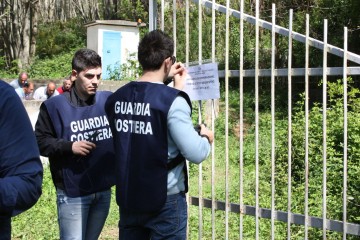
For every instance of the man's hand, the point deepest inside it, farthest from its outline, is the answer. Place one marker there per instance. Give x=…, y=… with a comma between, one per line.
x=206, y=132
x=82, y=148
x=180, y=79
x=175, y=69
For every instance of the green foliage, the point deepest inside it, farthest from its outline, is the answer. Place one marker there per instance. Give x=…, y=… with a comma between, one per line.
x=2, y=61
x=56, y=45
x=335, y=153
x=128, y=71
x=56, y=67
x=206, y=37
x=5, y=70
x=11, y=71
x=130, y=10
x=59, y=37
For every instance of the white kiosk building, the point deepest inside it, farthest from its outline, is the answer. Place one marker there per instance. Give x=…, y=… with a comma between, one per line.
x=114, y=41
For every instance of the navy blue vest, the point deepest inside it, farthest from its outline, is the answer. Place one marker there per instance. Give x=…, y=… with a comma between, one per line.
x=95, y=172
x=138, y=119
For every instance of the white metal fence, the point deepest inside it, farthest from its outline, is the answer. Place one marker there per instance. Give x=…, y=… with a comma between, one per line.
x=260, y=217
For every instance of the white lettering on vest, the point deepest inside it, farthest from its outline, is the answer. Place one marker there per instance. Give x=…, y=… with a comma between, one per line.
x=137, y=127
x=83, y=129
x=137, y=109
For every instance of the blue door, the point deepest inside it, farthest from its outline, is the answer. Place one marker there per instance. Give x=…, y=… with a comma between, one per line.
x=111, y=55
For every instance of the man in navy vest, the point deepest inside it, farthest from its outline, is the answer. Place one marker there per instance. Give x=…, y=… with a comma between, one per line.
x=153, y=135
x=21, y=170
x=73, y=131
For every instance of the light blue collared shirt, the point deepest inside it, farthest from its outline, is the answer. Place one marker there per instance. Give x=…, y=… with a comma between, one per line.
x=184, y=139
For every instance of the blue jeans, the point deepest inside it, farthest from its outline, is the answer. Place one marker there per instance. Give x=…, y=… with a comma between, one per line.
x=82, y=217
x=169, y=223
x=5, y=228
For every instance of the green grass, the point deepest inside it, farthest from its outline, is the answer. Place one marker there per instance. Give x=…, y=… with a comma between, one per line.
x=40, y=222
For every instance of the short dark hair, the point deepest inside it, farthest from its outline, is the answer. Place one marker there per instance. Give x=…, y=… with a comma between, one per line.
x=153, y=49
x=85, y=58
x=27, y=84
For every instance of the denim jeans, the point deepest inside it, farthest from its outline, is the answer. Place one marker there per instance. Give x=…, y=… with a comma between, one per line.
x=169, y=223
x=5, y=228
x=82, y=217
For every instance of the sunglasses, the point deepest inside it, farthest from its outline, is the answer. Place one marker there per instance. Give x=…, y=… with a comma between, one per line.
x=173, y=60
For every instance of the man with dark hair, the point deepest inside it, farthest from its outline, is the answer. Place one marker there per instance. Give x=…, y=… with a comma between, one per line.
x=153, y=135
x=73, y=131
x=19, y=83
x=25, y=93
x=21, y=170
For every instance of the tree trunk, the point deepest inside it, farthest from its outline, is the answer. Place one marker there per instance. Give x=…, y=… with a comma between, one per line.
x=63, y=10
x=47, y=12
x=18, y=31
x=88, y=10
x=107, y=9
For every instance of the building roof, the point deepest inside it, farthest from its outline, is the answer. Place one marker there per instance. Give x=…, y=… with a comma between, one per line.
x=115, y=23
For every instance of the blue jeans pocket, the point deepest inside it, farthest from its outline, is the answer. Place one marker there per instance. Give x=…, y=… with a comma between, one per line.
x=172, y=220
x=168, y=221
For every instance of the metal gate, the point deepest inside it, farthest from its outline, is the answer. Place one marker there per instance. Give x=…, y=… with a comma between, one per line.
x=235, y=199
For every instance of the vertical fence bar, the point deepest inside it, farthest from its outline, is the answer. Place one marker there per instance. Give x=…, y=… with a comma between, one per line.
x=213, y=58
x=273, y=123
x=257, y=120
x=187, y=61
x=200, y=182
x=200, y=120
x=162, y=14
x=324, y=127
x=213, y=233
x=306, y=127
x=152, y=14
x=241, y=79
x=227, y=35
x=187, y=34
x=213, y=29
x=174, y=25
x=289, y=124
x=200, y=31
x=345, y=134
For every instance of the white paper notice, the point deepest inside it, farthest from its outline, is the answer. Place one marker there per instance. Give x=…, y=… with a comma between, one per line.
x=202, y=82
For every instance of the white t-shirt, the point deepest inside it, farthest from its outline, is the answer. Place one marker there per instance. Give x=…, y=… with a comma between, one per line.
x=40, y=93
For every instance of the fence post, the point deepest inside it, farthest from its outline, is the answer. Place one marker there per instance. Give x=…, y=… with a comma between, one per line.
x=152, y=14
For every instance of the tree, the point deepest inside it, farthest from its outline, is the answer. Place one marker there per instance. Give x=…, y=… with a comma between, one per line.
x=19, y=25
x=130, y=10
x=64, y=10
x=55, y=10
x=18, y=30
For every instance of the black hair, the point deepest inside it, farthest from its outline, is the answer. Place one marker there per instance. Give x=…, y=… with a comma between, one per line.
x=153, y=49
x=84, y=59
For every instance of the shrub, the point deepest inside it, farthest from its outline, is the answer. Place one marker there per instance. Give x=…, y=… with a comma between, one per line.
x=59, y=37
